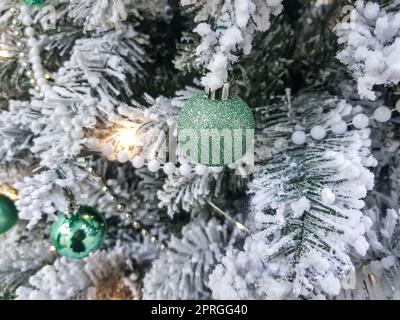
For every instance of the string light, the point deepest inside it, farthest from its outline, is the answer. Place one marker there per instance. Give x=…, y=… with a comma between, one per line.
x=121, y=208
x=5, y=52
x=120, y=142
x=127, y=137
x=9, y=191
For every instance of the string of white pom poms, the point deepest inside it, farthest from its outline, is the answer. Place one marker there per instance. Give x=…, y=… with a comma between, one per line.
x=38, y=77
x=360, y=121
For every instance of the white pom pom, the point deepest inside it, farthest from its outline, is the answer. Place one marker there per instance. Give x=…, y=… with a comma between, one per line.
x=46, y=88
x=201, y=169
x=382, y=114
x=34, y=47
x=328, y=197
x=280, y=143
x=360, y=121
x=318, y=132
x=41, y=82
x=153, y=165
x=339, y=158
x=123, y=156
x=398, y=106
x=299, y=137
x=169, y=168
x=35, y=60
x=138, y=162
x=24, y=9
x=185, y=169
x=27, y=20
x=30, y=32
x=339, y=127
x=37, y=67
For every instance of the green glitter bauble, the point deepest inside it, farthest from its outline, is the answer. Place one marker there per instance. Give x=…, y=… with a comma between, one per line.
x=215, y=132
x=80, y=235
x=8, y=214
x=33, y=2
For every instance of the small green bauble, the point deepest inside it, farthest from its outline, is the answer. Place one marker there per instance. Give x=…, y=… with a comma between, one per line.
x=8, y=214
x=80, y=235
x=215, y=132
x=34, y=2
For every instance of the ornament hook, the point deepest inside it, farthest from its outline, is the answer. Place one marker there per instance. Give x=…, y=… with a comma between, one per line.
x=222, y=93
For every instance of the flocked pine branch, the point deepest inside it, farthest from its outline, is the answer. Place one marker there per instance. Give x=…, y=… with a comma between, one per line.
x=18, y=264
x=182, y=272
x=67, y=279
x=227, y=28
x=371, y=43
x=106, y=14
x=375, y=276
x=307, y=210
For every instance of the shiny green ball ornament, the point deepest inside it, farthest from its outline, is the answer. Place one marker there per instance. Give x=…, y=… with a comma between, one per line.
x=80, y=235
x=33, y=2
x=215, y=132
x=8, y=214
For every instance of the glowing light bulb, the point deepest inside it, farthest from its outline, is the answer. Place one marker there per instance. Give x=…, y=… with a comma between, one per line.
x=9, y=192
x=127, y=137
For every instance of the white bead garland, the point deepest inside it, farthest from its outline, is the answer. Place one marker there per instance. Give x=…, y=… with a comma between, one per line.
x=360, y=121
x=34, y=53
x=318, y=132
x=299, y=137
x=169, y=168
x=154, y=165
x=27, y=20
x=123, y=157
x=185, y=169
x=138, y=162
x=382, y=114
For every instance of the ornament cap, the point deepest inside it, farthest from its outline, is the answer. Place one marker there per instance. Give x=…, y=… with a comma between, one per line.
x=222, y=93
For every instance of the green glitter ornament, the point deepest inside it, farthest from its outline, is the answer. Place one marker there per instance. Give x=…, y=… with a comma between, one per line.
x=33, y=2
x=8, y=214
x=215, y=132
x=80, y=235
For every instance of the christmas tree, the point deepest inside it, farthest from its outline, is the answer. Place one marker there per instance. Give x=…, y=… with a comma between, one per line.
x=199, y=149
